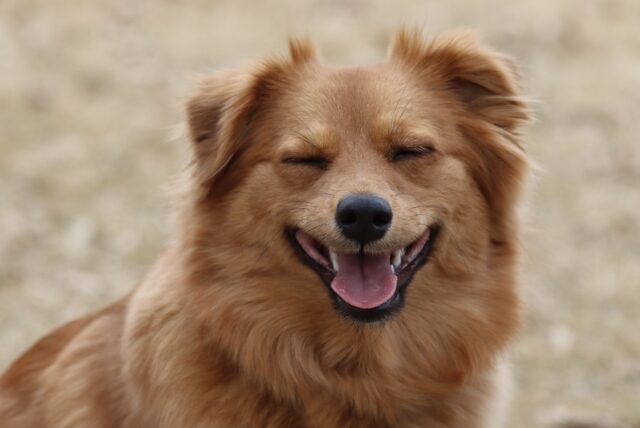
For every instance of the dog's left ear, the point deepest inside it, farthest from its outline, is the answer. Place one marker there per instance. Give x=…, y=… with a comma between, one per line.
x=484, y=85
x=486, y=82
x=221, y=113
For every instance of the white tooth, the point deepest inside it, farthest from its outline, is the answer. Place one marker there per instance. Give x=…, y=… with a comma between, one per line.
x=397, y=258
x=334, y=259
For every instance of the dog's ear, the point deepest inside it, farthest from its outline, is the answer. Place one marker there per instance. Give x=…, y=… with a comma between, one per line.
x=486, y=82
x=485, y=86
x=221, y=113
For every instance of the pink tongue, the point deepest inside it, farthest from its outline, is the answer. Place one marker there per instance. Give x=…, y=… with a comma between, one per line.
x=364, y=280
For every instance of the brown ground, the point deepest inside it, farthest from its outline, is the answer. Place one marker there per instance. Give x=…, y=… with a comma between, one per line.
x=90, y=106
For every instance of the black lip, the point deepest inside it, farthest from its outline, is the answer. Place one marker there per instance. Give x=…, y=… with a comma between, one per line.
x=380, y=313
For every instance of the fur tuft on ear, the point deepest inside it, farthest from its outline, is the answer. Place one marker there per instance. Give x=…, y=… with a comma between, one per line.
x=406, y=44
x=302, y=50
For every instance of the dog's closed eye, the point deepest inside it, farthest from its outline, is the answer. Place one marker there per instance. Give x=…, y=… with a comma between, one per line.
x=401, y=153
x=312, y=161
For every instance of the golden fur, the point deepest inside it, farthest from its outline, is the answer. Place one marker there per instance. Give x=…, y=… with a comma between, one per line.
x=230, y=329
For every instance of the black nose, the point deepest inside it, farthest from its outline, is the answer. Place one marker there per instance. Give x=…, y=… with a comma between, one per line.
x=363, y=218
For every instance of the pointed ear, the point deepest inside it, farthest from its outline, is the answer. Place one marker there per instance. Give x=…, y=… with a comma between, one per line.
x=222, y=111
x=485, y=85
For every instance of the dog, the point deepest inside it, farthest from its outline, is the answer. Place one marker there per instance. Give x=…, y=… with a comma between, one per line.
x=345, y=256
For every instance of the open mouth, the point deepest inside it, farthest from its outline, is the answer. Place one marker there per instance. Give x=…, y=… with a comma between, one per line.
x=365, y=287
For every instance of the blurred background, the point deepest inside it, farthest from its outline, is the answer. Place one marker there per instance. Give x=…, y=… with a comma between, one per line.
x=91, y=98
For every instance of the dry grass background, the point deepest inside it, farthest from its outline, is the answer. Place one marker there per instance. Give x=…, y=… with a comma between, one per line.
x=91, y=91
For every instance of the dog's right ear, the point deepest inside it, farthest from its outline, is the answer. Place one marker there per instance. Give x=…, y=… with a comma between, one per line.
x=221, y=113
x=219, y=116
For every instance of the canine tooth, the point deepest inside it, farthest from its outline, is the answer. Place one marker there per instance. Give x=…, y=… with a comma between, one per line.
x=334, y=260
x=397, y=258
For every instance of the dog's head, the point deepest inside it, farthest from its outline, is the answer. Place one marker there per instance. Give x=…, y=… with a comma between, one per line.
x=374, y=190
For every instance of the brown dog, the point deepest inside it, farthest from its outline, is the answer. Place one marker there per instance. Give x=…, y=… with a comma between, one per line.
x=346, y=257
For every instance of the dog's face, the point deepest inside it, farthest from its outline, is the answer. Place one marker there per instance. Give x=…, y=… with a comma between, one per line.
x=374, y=185
x=361, y=170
